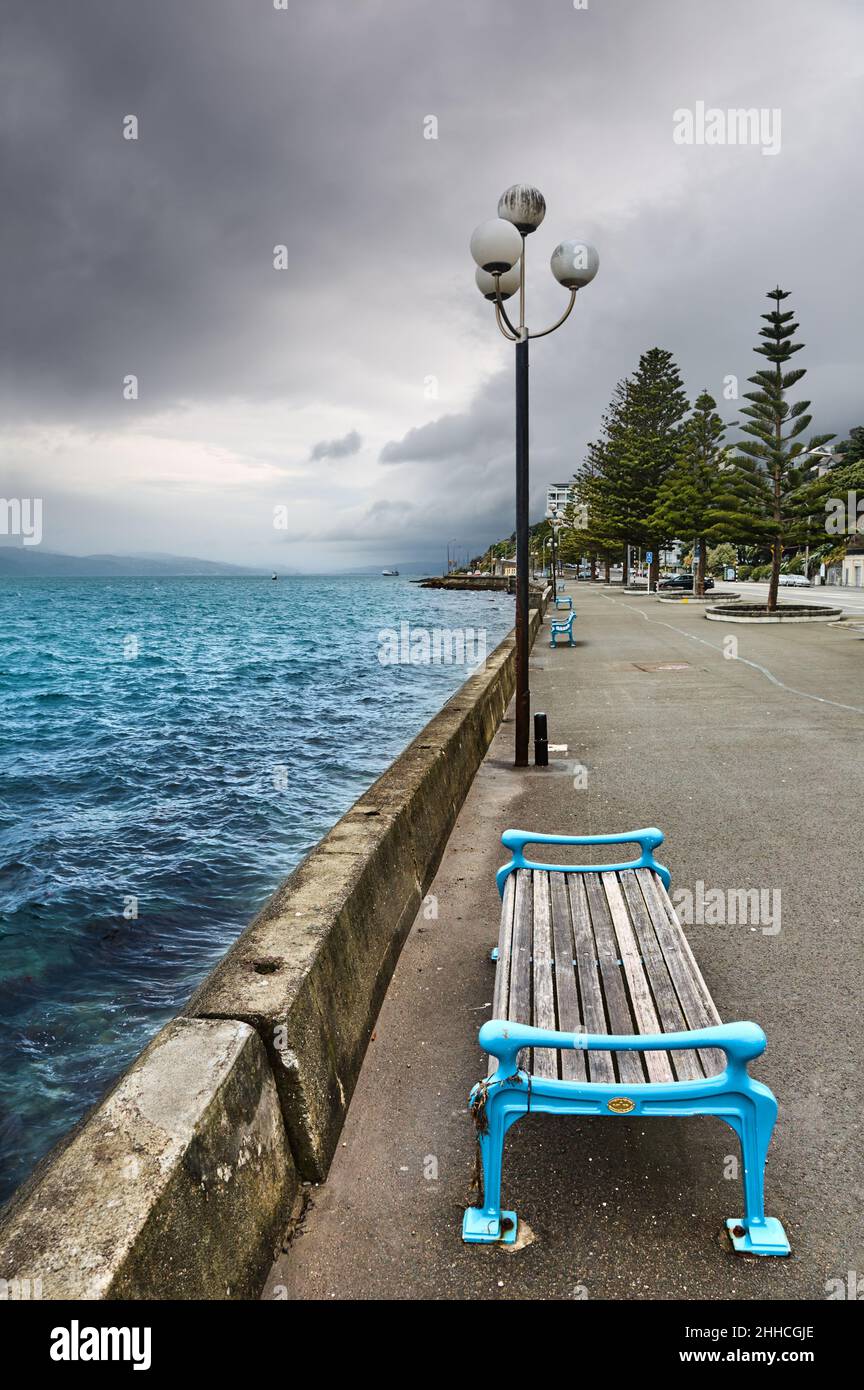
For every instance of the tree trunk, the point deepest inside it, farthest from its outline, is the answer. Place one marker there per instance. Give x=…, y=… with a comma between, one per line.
x=625, y=567
x=608, y=570
x=593, y=566
x=777, y=553
x=774, y=586
x=699, y=582
x=654, y=571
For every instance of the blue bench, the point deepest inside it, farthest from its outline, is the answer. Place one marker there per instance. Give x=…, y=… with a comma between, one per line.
x=564, y=601
x=562, y=627
x=599, y=1008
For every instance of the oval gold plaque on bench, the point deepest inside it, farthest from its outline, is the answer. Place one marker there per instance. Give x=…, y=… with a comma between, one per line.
x=621, y=1105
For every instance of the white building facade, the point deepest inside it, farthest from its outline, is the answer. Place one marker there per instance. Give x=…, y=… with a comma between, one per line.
x=557, y=497
x=853, y=564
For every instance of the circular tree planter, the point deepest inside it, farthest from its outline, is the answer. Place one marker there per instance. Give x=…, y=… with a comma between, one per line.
x=691, y=598
x=758, y=613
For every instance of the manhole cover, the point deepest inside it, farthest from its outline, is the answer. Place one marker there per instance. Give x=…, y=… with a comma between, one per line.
x=662, y=665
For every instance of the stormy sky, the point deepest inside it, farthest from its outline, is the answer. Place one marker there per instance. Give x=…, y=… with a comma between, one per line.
x=360, y=391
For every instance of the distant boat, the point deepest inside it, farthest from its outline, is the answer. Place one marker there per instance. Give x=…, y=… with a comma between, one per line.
x=390, y=574
x=274, y=575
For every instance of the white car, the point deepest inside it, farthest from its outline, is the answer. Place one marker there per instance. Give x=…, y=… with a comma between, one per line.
x=795, y=581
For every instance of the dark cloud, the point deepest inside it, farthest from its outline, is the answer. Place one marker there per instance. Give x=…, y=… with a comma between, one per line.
x=447, y=438
x=304, y=128
x=350, y=443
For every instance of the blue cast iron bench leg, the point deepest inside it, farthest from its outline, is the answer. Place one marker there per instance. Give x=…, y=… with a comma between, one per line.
x=562, y=627
x=581, y=943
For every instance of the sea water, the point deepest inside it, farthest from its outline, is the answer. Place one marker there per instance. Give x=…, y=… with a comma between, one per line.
x=170, y=749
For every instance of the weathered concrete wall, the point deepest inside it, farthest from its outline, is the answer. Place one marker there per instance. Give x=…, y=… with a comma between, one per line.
x=310, y=972
x=179, y=1185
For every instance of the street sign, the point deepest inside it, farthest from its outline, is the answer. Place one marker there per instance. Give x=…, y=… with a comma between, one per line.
x=649, y=555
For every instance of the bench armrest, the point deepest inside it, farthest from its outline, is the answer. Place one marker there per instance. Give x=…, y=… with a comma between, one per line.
x=740, y=1041
x=648, y=840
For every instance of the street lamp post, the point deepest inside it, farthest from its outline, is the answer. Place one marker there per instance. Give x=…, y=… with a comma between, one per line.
x=498, y=247
x=556, y=521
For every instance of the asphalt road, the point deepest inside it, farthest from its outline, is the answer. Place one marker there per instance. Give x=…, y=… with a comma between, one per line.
x=751, y=760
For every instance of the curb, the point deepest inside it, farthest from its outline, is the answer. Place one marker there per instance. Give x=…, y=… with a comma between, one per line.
x=814, y=615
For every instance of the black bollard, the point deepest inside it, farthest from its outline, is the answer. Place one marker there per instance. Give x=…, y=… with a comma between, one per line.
x=541, y=741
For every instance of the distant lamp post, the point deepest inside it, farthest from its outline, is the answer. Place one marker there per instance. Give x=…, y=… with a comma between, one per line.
x=498, y=247
x=556, y=521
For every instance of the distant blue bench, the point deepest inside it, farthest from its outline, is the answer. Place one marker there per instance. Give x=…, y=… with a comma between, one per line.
x=564, y=601
x=562, y=627
x=580, y=945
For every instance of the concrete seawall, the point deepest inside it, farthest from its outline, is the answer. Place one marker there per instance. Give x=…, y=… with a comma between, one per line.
x=176, y=1186
x=310, y=972
x=181, y=1182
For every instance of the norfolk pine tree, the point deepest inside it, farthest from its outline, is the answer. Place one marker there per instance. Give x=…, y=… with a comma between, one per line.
x=640, y=443
x=690, y=498
x=598, y=538
x=768, y=474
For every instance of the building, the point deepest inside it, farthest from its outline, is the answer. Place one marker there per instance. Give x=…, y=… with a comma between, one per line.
x=819, y=461
x=557, y=497
x=853, y=563
x=506, y=567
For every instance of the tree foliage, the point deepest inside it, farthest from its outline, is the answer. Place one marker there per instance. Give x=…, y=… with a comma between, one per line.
x=769, y=472
x=693, y=496
x=638, y=443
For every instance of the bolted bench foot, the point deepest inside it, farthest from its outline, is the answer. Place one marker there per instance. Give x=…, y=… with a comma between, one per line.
x=769, y=1238
x=479, y=1228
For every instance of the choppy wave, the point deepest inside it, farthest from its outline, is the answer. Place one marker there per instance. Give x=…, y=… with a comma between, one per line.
x=170, y=751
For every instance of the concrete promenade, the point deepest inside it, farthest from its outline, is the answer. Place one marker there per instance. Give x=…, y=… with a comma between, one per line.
x=754, y=768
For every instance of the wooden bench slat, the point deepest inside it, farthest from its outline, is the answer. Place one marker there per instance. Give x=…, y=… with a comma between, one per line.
x=600, y=952
x=519, y=1001
x=500, y=997
x=629, y=1064
x=599, y=1063
x=566, y=988
x=686, y=1062
x=501, y=992
x=545, y=1061
x=699, y=1008
x=519, y=1004
x=657, y=1064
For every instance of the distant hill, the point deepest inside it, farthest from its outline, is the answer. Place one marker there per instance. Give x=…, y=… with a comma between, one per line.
x=31, y=561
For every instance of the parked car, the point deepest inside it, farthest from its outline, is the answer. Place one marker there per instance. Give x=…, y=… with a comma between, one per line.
x=795, y=581
x=683, y=582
